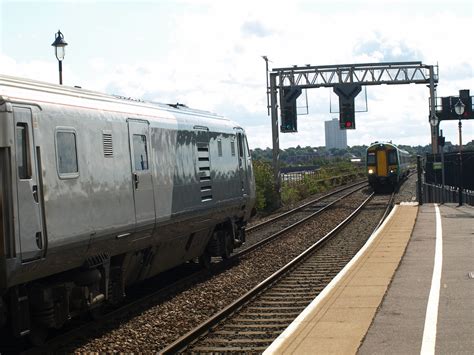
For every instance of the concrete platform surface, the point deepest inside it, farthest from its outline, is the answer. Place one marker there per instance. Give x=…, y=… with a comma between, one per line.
x=427, y=306
x=399, y=325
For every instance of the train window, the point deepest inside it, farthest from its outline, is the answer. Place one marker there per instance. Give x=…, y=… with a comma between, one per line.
x=241, y=145
x=232, y=148
x=219, y=147
x=140, y=152
x=371, y=159
x=392, y=157
x=22, y=161
x=247, y=150
x=67, y=153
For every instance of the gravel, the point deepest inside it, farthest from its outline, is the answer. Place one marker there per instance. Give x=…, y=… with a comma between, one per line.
x=258, y=323
x=157, y=325
x=161, y=324
x=407, y=192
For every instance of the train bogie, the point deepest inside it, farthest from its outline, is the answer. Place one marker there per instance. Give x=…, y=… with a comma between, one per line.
x=98, y=192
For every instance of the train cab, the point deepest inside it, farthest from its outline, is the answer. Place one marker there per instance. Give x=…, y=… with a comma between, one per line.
x=386, y=164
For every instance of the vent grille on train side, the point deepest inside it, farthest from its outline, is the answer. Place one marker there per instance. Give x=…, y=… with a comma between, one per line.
x=108, y=145
x=204, y=166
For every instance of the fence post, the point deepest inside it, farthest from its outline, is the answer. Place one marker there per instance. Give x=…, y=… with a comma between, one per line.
x=460, y=169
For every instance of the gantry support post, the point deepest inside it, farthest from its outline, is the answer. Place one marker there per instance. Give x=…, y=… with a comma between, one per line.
x=434, y=122
x=275, y=139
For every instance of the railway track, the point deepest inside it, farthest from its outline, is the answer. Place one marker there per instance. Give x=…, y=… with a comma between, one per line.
x=305, y=205
x=266, y=231
x=164, y=293
x=252, y=322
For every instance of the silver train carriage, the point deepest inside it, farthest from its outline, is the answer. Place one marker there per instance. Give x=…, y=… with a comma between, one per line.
x=98, y=192
x=386, y=164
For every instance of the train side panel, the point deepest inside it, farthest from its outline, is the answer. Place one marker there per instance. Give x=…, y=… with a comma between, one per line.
x=98, y=194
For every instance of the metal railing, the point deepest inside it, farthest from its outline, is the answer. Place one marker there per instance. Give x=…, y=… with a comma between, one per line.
x=436, y=194
x=321, y=176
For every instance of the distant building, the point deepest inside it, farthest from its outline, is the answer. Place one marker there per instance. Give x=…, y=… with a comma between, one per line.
x=335, y=137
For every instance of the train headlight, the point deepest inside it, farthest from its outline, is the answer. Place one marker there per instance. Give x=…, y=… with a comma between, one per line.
x=371, y=171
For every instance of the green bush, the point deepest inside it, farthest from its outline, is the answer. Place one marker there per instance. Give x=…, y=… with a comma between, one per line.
x=289, y=194
x=319, y=182
x=265, y=194
x=296, y=191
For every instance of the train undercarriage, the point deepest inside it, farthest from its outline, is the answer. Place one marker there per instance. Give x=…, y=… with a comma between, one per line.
x=49, y=303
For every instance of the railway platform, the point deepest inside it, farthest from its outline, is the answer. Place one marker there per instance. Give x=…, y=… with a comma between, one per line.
x=410, y=290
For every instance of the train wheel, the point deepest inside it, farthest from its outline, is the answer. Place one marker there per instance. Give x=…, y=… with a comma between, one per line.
x=205, y=260
x=38, y=334
x=97, y=312
x=228, y=247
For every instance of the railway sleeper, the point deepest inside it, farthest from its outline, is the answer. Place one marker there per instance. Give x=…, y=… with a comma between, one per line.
x=255, y=326
x=255, y=318
x=277, y=309
x=281, y=302
x=234, y=342
x=286, y=297
x=244, y=333
x=274, y=297
x=225, y=349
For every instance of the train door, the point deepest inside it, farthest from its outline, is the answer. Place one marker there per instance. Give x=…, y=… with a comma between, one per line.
x=382, y=168
x=141, y=173
x=242, y=147
x=30, y=222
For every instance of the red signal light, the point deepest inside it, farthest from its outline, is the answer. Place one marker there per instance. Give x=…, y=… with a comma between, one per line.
x=348, y=124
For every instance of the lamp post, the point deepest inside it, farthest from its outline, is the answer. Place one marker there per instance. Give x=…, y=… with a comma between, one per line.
x=459, y=109
x=59, y=45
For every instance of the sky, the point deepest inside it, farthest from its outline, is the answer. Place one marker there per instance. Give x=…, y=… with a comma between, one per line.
x=207, y=54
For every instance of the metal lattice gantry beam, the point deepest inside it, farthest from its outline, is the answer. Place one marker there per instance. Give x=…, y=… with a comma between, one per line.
x=363, y=74
x=308, y=77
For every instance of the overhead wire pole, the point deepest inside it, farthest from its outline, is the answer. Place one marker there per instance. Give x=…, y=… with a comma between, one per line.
x=265, y=58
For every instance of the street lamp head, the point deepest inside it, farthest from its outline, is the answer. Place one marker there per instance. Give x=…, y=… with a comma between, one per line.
x=59, y=45
x=459, y=108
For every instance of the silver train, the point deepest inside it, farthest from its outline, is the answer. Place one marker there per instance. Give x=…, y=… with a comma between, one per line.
x=98, y=192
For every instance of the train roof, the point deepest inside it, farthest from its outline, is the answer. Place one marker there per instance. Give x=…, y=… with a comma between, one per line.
x=375, y=144
x=14, y=89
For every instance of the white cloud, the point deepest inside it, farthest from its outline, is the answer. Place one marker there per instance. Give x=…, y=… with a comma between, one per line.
x=212, y=60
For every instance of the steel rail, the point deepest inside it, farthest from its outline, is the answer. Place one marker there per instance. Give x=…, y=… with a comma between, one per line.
x=391, y=202
x=199, y=275
x=294, y=210
x=182, y=343
x=387, y=210
x=286, y=229
x=202, y=274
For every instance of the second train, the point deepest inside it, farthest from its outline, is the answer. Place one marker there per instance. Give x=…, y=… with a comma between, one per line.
x=387, y=165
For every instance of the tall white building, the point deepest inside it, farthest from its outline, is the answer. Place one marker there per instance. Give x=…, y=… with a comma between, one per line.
x=335, y=137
